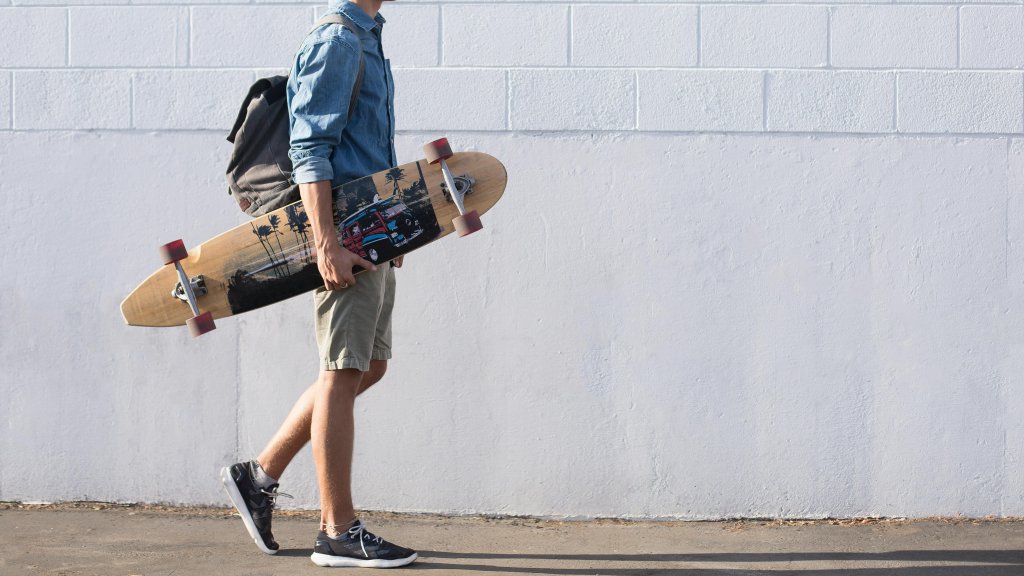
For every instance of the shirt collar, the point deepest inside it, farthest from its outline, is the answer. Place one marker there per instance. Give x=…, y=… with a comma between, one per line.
x=356, y=14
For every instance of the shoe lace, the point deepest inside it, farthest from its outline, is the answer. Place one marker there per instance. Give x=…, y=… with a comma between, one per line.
x=272, y=496
x=359, y=531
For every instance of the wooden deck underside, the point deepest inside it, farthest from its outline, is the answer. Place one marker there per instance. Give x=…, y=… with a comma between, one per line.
x=278, y=245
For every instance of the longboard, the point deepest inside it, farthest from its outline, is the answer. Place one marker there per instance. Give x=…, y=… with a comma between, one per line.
x=271, y=258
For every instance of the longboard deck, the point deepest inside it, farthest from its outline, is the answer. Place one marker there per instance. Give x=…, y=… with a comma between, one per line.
x=271, y=258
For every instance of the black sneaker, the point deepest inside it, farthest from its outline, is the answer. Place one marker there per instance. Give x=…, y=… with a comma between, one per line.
x=359, y=548
x=255, y=505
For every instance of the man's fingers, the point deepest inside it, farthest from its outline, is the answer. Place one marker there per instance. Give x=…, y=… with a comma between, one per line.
x=365, y=264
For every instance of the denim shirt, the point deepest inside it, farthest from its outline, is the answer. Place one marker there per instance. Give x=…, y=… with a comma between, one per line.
x=325, y=143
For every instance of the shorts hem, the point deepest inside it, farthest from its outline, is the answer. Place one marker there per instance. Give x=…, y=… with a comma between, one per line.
x=345, y=364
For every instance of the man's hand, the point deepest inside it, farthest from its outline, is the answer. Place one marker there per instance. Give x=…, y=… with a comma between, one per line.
x=336, y=263
x=399, y=261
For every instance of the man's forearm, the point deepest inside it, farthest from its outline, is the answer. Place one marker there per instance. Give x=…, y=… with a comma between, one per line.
x=318, y=201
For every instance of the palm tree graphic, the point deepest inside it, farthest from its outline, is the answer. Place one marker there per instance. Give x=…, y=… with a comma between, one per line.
x=263, y=233
x=297, y=223
x=395, y=175
x=275, y=222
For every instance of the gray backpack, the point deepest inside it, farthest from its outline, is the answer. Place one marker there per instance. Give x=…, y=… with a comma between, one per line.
x=260, y=171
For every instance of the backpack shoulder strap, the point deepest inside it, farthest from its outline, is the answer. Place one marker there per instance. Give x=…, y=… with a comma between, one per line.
x=351, y=26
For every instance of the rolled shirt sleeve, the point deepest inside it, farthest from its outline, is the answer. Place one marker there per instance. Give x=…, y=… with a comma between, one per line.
x=320, y=89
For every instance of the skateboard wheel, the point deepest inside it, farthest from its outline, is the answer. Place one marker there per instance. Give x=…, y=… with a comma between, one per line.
x=468, y=223
x=200, y=324
x=173, y=252
x=437, y=150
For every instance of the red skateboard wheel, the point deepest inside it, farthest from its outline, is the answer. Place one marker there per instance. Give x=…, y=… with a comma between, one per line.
x=468, y=223
x=201, y=324
x=173, y=252
x=437, y=150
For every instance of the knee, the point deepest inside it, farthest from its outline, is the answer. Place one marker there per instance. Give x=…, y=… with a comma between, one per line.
x=373, y=375
x=342, y=384
x=377, y=370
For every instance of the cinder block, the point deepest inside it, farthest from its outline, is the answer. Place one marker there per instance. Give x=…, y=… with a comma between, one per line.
x=5, y=100
x=827, y=101
x=412, y=35
x=960, y=102
x=894, y=36
x=693, y=100
x=445, y=99
x=572, y=99
x=189, y=99
x=629, y=35
x=248, y=36
x=33, y=37
x=770, y=36
x=128, y=36
x=72, y=100
x=991, y=37
x=499, y=35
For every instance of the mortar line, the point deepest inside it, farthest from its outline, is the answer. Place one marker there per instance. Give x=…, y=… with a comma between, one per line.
x=131, y=100
x=440, y=35
x=958, y=39
x=700, y=53
x=764, y=100
x=636, y=100
x=896, y=102
x=572, y=15
x=828, y=39
x=188, y=39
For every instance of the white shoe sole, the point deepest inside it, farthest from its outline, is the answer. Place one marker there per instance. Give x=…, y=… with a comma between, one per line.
x=329, y=561
x=243, y=511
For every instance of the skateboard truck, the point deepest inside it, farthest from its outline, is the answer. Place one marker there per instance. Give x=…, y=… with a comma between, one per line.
x=466, y=223
x=174, y=253
x=198, y=285
x=463, y=185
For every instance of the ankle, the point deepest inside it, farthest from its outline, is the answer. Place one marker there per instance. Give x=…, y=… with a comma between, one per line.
x=334, y=530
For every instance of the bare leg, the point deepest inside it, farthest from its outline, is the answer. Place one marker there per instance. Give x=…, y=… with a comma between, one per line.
x=294, y=432
x=333, y=436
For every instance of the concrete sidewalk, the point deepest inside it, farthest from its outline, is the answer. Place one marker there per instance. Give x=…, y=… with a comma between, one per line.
x=111, y=540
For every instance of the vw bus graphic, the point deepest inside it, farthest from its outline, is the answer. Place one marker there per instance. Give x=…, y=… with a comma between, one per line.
x=376, y=231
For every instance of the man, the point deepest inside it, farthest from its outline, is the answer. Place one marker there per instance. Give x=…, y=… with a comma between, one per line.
x=353, y=317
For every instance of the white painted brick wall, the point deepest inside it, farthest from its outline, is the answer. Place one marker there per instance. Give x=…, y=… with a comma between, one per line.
x=623, y=36
x=981, y=102
x=33, y=37
x=991, y=37
x=72, y=100
x=764, y=36
x=797, y=245
x=695, y=100
x=128, y=36
x=432, y=106
x=189, y=99
x=411, y=35
x=826, y=101
x=247, y=36
x=894, y=36
x=572, y=99
x=505, y=35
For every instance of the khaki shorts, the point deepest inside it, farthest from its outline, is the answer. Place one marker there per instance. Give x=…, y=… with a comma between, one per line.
x=353, y=325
